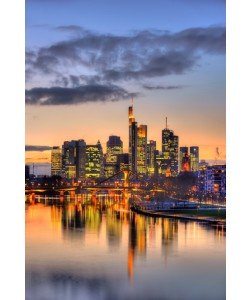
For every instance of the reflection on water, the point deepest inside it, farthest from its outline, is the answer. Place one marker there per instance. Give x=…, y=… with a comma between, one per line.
x=93, y=247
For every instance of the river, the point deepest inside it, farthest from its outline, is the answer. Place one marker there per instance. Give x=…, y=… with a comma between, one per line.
x=89, y=247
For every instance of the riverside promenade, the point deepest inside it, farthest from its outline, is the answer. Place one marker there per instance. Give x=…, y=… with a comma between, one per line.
x=183, y=211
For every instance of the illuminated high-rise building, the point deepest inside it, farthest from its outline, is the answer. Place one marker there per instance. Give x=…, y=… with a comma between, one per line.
x=213, y=179
x=114, y=148
x=142, y=150
x=170, y=149
x=73, y=159
x=131, y=115
x=194, y=158
x=184, y=159
x=80, y=159
x=183, y=151
x=56, y=161
x=94, y=166
x=151, y=157
x=163, y=165
x=132, y=141
x=68, y=159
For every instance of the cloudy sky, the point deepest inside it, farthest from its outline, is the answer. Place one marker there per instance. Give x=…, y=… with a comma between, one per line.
x=85, y=60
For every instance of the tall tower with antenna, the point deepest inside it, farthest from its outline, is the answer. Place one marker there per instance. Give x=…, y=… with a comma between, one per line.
x=170, y=151
x=132, y=139
x=131, y=113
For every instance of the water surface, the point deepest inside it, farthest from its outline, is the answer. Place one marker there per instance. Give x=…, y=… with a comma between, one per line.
x=101, y=250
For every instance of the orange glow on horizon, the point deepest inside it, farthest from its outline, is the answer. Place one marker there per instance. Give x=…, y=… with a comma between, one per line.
x=94, y=121
x=206, y=153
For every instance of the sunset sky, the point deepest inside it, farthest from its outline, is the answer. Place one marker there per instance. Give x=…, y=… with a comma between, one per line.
x=86, y=59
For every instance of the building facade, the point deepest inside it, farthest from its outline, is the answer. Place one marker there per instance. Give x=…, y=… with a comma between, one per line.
x=194, y=158
x=170, y=152
x=68, y=159
x=80, y=159
x=142, y=150
x=213, y=180
x=73, y=159
x=132, y=141
x=151, y=157
x=114, y=149
x=56, y=161
x=94, y=166
x=184, y=160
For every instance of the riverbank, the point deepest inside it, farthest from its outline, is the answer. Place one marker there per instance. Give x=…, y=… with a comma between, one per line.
x=189, y=215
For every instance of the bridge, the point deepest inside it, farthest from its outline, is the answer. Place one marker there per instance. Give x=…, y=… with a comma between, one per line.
x=99, y=186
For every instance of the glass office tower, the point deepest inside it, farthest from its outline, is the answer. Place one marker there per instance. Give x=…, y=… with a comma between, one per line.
x=142, y=150
x=56, y=161
x=170, y=152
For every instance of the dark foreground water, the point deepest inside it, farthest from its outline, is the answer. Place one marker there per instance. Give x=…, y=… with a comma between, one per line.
x=103, y=251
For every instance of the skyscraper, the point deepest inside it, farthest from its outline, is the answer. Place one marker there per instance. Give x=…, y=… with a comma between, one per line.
x=194, y=158
x=56, y=161
x=184, y=159
x=132, y=141
x=73, y=159
x=68, y=159
x=142, y=149
x=80, y=158
x=170, y=149
x=151, y=157
x=131, y=115
x=114, y=148
x=94, y=166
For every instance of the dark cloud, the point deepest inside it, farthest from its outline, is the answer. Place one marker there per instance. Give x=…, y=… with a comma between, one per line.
x=77, y=80
x=45, y=63
x=36, y=148
x=211, y=39
x=173, y=62
x=74, y=81
x=161, y=87
x=76, y=95
x=141, y=55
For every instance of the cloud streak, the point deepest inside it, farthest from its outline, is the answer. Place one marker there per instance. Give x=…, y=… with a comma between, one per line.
x=37, y=148
x=76, y=95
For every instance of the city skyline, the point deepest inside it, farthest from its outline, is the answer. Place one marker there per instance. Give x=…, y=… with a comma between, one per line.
x=42, y=153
